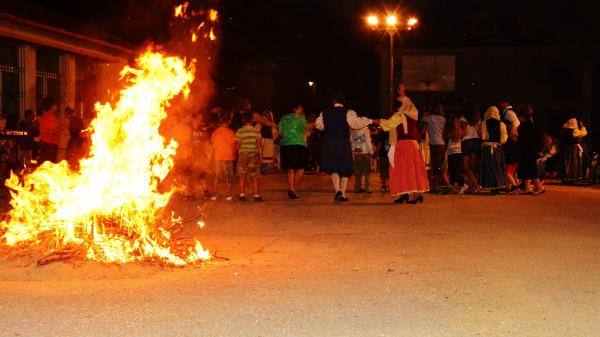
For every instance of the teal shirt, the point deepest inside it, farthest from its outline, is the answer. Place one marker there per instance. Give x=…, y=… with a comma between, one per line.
x=292, y=127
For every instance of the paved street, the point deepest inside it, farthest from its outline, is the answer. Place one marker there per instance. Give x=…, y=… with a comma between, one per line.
x=454, y=266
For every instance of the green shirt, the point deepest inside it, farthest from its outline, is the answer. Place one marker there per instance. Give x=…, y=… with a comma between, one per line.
x=292, y=127
x=247, y=136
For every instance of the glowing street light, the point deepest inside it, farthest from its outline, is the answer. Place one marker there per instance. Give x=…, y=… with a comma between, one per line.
x=411, y=22
x=311, y=83
x=372, y=21
x=393, y=24
x=391, y=21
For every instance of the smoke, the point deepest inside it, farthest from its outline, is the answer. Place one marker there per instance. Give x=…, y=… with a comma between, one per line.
x=186, y=115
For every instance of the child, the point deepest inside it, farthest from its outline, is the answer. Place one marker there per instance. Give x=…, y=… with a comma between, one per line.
x=382, y=146
x=223, y=140
x=362, y=150
x=199, y=159
x=249, y=148
x=455, y=157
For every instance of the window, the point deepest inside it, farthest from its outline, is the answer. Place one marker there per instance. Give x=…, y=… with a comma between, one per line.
x=85, y=87
x=49, y=78
x=10, y=84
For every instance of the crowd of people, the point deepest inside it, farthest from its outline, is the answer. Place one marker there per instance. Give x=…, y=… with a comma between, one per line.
x=44, y=132
x=503, y=151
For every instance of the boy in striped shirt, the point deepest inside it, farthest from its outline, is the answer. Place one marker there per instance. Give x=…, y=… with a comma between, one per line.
x=249, y=148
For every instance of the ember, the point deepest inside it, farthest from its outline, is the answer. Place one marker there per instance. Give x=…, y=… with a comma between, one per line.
x=111, y=208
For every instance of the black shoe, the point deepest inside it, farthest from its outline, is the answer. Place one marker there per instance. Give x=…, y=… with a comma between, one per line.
x=292, y=195
x=403, y=198
x=418, y=199
x=258, y=198
x=362, y=190
x=494, y=191
x=242, y=198
x=343, y=199
x=368, y=192
x=338, y=196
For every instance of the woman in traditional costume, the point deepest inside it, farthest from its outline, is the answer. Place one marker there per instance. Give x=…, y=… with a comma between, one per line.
x=492, y=167
x=408, y=176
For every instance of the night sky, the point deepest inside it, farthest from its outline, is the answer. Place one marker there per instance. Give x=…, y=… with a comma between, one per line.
x=270, y=49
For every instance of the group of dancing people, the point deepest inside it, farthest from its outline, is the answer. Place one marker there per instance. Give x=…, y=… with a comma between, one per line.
x=499, y=153
x=466, y=153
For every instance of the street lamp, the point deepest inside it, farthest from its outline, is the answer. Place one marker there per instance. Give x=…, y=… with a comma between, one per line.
x=393, y=25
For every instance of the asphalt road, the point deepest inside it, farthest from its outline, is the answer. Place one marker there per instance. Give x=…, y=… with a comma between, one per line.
x=453, y=266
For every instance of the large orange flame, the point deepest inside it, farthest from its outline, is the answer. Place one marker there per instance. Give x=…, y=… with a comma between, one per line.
x=110, y=207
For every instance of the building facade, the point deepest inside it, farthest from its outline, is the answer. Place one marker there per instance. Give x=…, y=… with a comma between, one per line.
x=38, y=60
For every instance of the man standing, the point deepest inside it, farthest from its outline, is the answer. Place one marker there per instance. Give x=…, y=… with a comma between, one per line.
x=294, y=150
x=336, y=122
x=50, y=131
x=511, y=147
x=27, y=144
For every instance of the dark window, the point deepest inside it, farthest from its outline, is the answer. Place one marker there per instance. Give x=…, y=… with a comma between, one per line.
x=47, y=62
x=10, y=74
x=563, y=82
x=49, y=80
x=9, y=56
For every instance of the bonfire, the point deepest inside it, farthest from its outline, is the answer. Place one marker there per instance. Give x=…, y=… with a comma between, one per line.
x=111, y=209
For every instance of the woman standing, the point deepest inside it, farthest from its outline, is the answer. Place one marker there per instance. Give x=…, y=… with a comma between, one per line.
x=408, y=176
x=493, y=134
x=530, y=144
x=294, y=151
x=572, y=131
x=471, y=144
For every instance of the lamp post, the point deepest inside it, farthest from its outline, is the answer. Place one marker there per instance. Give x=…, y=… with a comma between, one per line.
x=392, y=26
x=313, y=91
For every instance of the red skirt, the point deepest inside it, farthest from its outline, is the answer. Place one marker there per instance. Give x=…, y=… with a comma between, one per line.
x=408, y=173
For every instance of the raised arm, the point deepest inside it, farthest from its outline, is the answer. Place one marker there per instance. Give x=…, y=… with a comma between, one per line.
x=319, y=122
x=263, y=120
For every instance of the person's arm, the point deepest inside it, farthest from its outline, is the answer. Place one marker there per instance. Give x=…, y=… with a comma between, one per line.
x=238, y=142
x=319, y=122
x=356, y=122
x=463, y=128
x=260, y=149
x=390, y=123
x=552, y=151
x=503, y=133
x=280, y=127
x=263, y=120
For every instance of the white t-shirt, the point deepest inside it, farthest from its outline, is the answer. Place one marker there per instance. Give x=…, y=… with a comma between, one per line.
x=435, y=127
x=471, y=130
x=510, y=117
x=360, y=141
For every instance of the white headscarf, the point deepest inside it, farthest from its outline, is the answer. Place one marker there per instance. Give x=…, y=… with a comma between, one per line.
x=407, y=110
